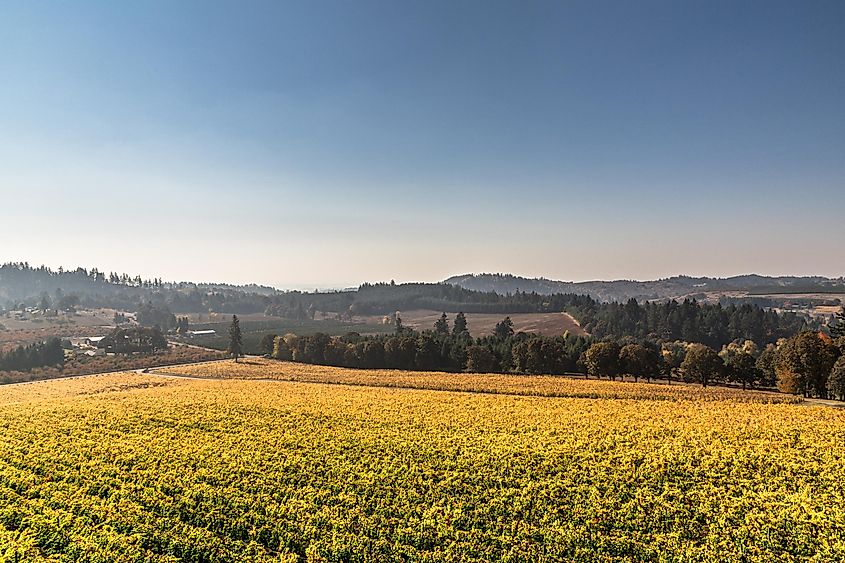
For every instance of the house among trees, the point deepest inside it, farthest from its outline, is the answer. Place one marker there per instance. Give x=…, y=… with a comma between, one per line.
x=94, y=341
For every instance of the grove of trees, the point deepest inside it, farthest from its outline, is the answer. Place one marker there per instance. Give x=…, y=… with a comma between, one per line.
x=133, y=340
x=25, y=358
x=807, y=363
x=442, y=349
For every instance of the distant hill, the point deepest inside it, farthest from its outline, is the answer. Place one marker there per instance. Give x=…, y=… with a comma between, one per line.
x=22, y=284
x=674, y=287
x=594, y=305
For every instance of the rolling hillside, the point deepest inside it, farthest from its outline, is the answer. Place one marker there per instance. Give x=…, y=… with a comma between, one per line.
x=674, y=287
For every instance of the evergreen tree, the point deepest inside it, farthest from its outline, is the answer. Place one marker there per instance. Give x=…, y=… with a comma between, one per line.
x=504, y=329
x=460, y=326
x=837, y=329
x=441, y=326
x=235, y=339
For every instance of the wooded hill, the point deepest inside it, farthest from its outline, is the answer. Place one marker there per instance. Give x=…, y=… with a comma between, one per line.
x=689, y=320
x=669, y=288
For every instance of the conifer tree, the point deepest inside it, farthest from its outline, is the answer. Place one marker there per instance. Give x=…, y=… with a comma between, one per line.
x=235, y=340
x=460, y=326
x=441, y=326
x=837, y=329
x=504, y=329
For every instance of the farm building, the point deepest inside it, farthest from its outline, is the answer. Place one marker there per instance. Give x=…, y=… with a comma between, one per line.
x=197, y=333
x=94, y=341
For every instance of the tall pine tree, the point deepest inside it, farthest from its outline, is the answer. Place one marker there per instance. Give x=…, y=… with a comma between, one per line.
x=460, y=326
x=441, y=326
x=235, y=340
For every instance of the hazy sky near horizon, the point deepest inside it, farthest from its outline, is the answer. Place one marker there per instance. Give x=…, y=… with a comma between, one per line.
x=323, y=144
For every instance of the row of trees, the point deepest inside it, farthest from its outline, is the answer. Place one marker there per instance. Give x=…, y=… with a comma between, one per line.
x=25, y=358
x=689, y=320
x=444, y=348
x=809, y=363
x=691, y=362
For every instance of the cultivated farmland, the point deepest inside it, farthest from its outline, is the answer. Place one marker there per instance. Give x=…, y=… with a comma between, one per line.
x=131, y=467
x=529, y=385
x=482, y=324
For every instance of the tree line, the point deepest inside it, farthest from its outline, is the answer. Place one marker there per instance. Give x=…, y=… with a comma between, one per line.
x=27, y=357
x=689, y=320
x=443, y=348
x=23, y=285
x=714, y=325
x=811, y=363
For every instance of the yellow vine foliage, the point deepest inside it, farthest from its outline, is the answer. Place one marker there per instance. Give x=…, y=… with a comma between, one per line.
x=131, y=467
x=539, y=385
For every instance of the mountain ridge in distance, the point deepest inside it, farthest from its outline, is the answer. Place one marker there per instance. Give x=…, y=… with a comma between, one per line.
x=673, y=287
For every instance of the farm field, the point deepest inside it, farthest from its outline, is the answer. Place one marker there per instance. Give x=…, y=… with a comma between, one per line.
x=83, y=365
x=96, y=318
x=482, y=324
x=530, y=385
x=255, y=327
x=131, y=467
x=13, y=338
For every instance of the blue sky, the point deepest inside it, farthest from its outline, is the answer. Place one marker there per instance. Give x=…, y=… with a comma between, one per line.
x=329, y=143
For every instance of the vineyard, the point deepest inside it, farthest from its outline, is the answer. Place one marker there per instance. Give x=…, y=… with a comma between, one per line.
x=131, y=467
x=81, y=365
x=530, y=385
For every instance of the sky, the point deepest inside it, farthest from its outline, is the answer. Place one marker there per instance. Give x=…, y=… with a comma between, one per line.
x=324, y=144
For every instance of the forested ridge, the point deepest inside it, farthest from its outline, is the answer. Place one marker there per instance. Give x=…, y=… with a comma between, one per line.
x=25, y=285
x=666, y=288
x=688, y=320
